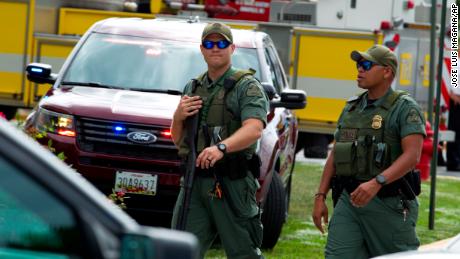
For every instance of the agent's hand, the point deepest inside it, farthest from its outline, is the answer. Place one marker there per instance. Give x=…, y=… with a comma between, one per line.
x=364, y=193
x=320, y=213
x=208, y=157
x=188, y=106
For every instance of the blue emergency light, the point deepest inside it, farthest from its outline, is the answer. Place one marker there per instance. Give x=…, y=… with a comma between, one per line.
x=119, y=129
x=40, y=73
x=36, y=70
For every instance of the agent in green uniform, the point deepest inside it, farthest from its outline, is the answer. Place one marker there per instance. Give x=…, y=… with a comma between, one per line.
x=378, y=142
x=232, y=109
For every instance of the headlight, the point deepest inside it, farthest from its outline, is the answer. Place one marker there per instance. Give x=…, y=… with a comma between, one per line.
x=54, y=122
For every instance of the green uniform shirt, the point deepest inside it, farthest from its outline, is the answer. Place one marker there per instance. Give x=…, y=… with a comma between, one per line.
x=405, y=119
x=383, y=225
x=246, y=100
x=235, y=217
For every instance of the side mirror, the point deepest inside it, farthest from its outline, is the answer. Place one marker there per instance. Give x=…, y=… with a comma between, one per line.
x=40, y=73
x=291, y=99
x=269, y=89
x=160, y=244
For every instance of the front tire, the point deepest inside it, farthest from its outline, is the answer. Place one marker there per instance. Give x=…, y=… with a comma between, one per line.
x=274, y=213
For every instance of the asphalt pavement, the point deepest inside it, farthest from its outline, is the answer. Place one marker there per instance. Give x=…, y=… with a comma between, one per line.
x=442, y=171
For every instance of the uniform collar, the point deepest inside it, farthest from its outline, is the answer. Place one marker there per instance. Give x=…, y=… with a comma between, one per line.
x=377, y=102
x=221, y=79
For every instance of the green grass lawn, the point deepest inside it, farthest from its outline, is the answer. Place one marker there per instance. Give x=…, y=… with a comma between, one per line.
x=300, y=238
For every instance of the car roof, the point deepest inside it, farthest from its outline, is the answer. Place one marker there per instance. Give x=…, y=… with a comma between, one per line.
x=172, y=29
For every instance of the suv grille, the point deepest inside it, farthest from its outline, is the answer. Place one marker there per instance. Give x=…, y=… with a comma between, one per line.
x=99, y=136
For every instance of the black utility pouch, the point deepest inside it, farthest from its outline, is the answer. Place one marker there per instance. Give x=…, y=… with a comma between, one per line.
x=414, y=181
x=237, y=165
x=221, y=168
x=254, y=165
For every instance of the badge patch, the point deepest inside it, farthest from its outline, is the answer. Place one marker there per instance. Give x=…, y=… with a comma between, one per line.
x=377, y=122
x=221, y=94
x=413, y=117
x=254, y=90
x=348, y=134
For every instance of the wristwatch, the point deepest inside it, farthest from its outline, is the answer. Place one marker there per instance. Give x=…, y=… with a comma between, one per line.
x=381, y=179
x=222, y=148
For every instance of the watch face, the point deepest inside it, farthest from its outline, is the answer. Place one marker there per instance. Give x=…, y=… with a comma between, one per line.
x=221, y=147
x=380, y=179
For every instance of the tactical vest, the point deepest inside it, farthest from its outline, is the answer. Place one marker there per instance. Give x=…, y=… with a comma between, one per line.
x=362, y=148
x=216, y=121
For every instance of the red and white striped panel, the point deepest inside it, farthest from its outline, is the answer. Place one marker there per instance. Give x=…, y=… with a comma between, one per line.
x=446, y=73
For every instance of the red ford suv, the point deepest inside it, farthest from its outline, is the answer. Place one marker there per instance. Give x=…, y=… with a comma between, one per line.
x=112, y=103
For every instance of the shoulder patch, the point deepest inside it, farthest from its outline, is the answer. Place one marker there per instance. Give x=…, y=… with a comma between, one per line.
x=254, y=90
x=413, y=116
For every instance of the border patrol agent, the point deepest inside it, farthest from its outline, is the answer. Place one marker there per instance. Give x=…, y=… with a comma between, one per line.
x=232, y=109
x=378, y=143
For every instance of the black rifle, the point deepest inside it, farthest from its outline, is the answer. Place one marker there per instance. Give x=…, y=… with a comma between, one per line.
x=191, y=125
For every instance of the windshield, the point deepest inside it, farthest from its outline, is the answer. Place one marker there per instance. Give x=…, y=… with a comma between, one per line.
x=142, y=63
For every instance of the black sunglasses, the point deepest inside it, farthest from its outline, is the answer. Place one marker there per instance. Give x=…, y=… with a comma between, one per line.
x=365, y=64
x=222, y=44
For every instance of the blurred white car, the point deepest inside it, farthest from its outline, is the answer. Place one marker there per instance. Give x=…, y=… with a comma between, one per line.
x=49, y=211
x=450, y=250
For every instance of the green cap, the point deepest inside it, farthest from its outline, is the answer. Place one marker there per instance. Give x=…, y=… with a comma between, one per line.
x=218, y=28
x=378, y=54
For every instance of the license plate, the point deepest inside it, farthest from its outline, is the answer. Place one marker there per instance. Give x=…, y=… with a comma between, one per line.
x=139, y=183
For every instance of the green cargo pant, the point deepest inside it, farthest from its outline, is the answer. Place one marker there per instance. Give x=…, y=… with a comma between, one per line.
x=239, y=226
x=375, y=229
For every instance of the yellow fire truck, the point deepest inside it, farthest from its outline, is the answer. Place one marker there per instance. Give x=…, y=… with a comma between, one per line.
x=40, y=31
x=314, y=48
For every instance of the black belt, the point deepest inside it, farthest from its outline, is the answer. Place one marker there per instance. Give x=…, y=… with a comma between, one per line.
x=390, y=190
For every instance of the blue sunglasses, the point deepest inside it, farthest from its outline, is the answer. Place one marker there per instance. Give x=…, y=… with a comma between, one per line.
x=222, y=44
x=365, y=64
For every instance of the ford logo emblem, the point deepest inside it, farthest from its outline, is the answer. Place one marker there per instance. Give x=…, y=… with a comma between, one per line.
x=141, y=137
